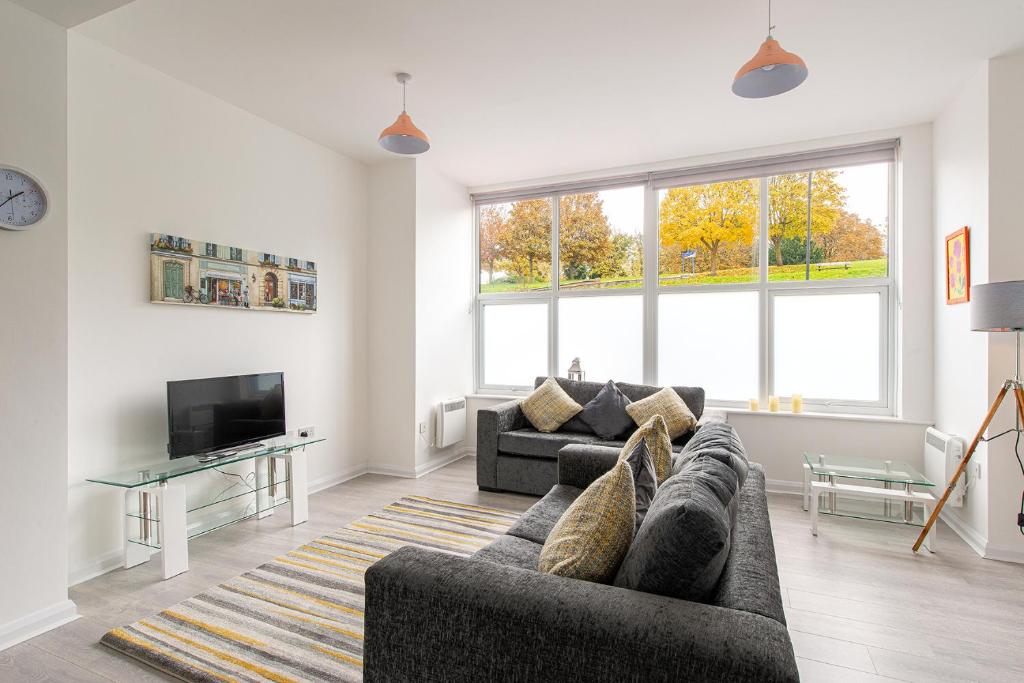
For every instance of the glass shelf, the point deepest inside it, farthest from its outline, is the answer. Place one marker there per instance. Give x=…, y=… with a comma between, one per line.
x=873, y=510
x=205, y=526
x=147, y=475
x=868, y=469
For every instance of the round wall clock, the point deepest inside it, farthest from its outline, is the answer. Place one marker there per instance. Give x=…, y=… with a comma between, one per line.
x=22, y=200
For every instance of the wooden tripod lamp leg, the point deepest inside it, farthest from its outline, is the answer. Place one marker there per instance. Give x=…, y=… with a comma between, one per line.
x=966, y=459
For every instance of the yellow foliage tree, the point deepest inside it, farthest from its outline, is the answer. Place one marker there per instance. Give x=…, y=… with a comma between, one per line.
x=787, y=207
x=710, y=216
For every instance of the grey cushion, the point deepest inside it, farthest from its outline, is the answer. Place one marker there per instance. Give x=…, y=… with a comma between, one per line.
x=681, y=548
x=720, y=441
x=576, y=425
x=606, y=413
x=584, y=392
x=536, y=523
x=511, y=551
x=645, y=480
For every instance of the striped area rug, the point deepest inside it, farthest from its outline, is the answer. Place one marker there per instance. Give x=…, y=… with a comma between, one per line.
x=299, y=617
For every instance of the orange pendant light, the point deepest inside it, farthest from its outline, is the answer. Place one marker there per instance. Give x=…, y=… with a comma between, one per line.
x=772, y=71
x=402, y=136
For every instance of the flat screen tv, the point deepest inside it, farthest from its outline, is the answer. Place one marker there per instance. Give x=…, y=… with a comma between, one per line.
x=223, y=413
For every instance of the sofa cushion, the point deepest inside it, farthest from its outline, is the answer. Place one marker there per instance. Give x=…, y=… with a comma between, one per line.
x=682, y=546
x=537, y=522
x=549, y=407
x=584, y=392
x=576, y=425
x=593, y=535
x=539, y=445
x=720, y=441
x=511, y=551
x=654, y=433
x=606, y=414
x=670, y=406
x=645, y=479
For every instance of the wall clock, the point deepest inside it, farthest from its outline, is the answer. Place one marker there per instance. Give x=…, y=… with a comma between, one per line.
x=22, y=200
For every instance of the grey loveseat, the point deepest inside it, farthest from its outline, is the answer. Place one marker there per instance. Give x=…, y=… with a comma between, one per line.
x=513, y=456
x=431, y=616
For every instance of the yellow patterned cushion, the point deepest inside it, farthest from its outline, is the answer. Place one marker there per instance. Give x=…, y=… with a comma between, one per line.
x=667, y=404
x=549, y=407
x=659, y=445
x=594, y=533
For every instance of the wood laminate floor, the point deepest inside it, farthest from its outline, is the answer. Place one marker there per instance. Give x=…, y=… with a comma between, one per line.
x=860, y=605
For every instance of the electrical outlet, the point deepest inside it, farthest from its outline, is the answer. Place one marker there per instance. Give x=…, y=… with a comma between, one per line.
x=307, y=432
x=976, y=471
x=423, y=427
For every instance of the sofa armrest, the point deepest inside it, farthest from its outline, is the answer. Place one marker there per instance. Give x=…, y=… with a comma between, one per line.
x=580, y=464
x=432, y=616
x=490, y=423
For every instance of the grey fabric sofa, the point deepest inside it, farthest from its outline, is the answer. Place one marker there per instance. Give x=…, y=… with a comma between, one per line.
x=513, y=456
x=494, y=617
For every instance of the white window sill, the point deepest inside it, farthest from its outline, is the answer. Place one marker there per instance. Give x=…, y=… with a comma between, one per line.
x=849, y=417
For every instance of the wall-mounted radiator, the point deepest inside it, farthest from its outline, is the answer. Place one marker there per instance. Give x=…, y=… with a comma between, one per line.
x=942, y=455
x=450, y=426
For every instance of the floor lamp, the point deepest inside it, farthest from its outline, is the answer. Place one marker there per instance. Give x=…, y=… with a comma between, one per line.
x=995, y=307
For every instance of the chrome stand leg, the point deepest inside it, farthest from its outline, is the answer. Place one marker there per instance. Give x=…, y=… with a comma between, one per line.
x=832, y=495
x=908, y=506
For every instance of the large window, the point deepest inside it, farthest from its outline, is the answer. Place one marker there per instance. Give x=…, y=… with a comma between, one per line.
x=769, y=277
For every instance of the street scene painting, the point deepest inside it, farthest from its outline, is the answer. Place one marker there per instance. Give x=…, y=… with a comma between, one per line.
x=187, y=271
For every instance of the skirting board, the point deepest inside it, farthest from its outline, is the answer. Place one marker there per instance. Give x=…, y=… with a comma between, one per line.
x=980, y=545
x=40, y=621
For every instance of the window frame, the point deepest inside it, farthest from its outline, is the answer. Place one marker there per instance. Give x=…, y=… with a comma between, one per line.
x=768, y=291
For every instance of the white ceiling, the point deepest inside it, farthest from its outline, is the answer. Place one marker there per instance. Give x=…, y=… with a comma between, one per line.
x=511, y=90
x=70, y=12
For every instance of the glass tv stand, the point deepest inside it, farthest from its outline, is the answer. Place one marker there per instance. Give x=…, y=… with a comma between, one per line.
x=156, y=512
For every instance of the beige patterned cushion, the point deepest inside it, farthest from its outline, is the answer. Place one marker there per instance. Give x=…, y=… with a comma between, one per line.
x=667, y=404
x=549, y=407
x=659, y=445
x=590, y=539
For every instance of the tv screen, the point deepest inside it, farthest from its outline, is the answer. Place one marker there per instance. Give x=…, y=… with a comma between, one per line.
x=206, y=415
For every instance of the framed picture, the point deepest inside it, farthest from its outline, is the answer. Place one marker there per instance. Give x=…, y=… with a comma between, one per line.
x=958, y=266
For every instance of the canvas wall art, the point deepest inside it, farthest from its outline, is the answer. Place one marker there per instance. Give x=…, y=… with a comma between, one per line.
x=958, y=266
x=187, y=271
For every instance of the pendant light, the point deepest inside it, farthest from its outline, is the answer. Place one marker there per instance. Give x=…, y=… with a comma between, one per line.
x=402, y=136
x=772, y=71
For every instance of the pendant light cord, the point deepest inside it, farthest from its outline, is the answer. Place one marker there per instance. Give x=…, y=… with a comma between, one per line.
x=403, y=96
x=770, y=26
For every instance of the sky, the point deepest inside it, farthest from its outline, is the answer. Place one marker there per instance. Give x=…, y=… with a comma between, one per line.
x=866, y=195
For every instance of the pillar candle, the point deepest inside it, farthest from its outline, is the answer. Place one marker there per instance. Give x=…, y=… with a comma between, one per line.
x=754, y=405
x=796, y=402
x=773, y=404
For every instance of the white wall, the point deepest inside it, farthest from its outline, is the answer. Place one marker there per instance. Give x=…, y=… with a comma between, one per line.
x=392, y=317
x=778, y=441
x=444, y=302
x=33, y=337
x=151, y=154
x=1006, y=262
x=961, y=164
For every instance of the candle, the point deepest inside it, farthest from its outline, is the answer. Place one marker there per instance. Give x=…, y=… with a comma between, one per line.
x=796, y=403
x=773, y=404
x=754, y=405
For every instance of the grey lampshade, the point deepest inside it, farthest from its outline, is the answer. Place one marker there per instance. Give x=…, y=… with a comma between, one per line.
x=998, y=307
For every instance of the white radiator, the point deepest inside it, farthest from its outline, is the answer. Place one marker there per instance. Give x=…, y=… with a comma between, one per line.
x=942, y=455
x=450, y=426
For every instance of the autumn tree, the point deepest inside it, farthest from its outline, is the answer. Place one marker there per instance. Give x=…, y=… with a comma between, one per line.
x=787, y=207
x=710, y=216
x=853, y=239
x=584, y=235
x=526, y=243
x=493, y=226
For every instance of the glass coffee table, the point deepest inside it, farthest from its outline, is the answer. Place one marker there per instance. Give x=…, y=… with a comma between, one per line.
x=867, y=488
